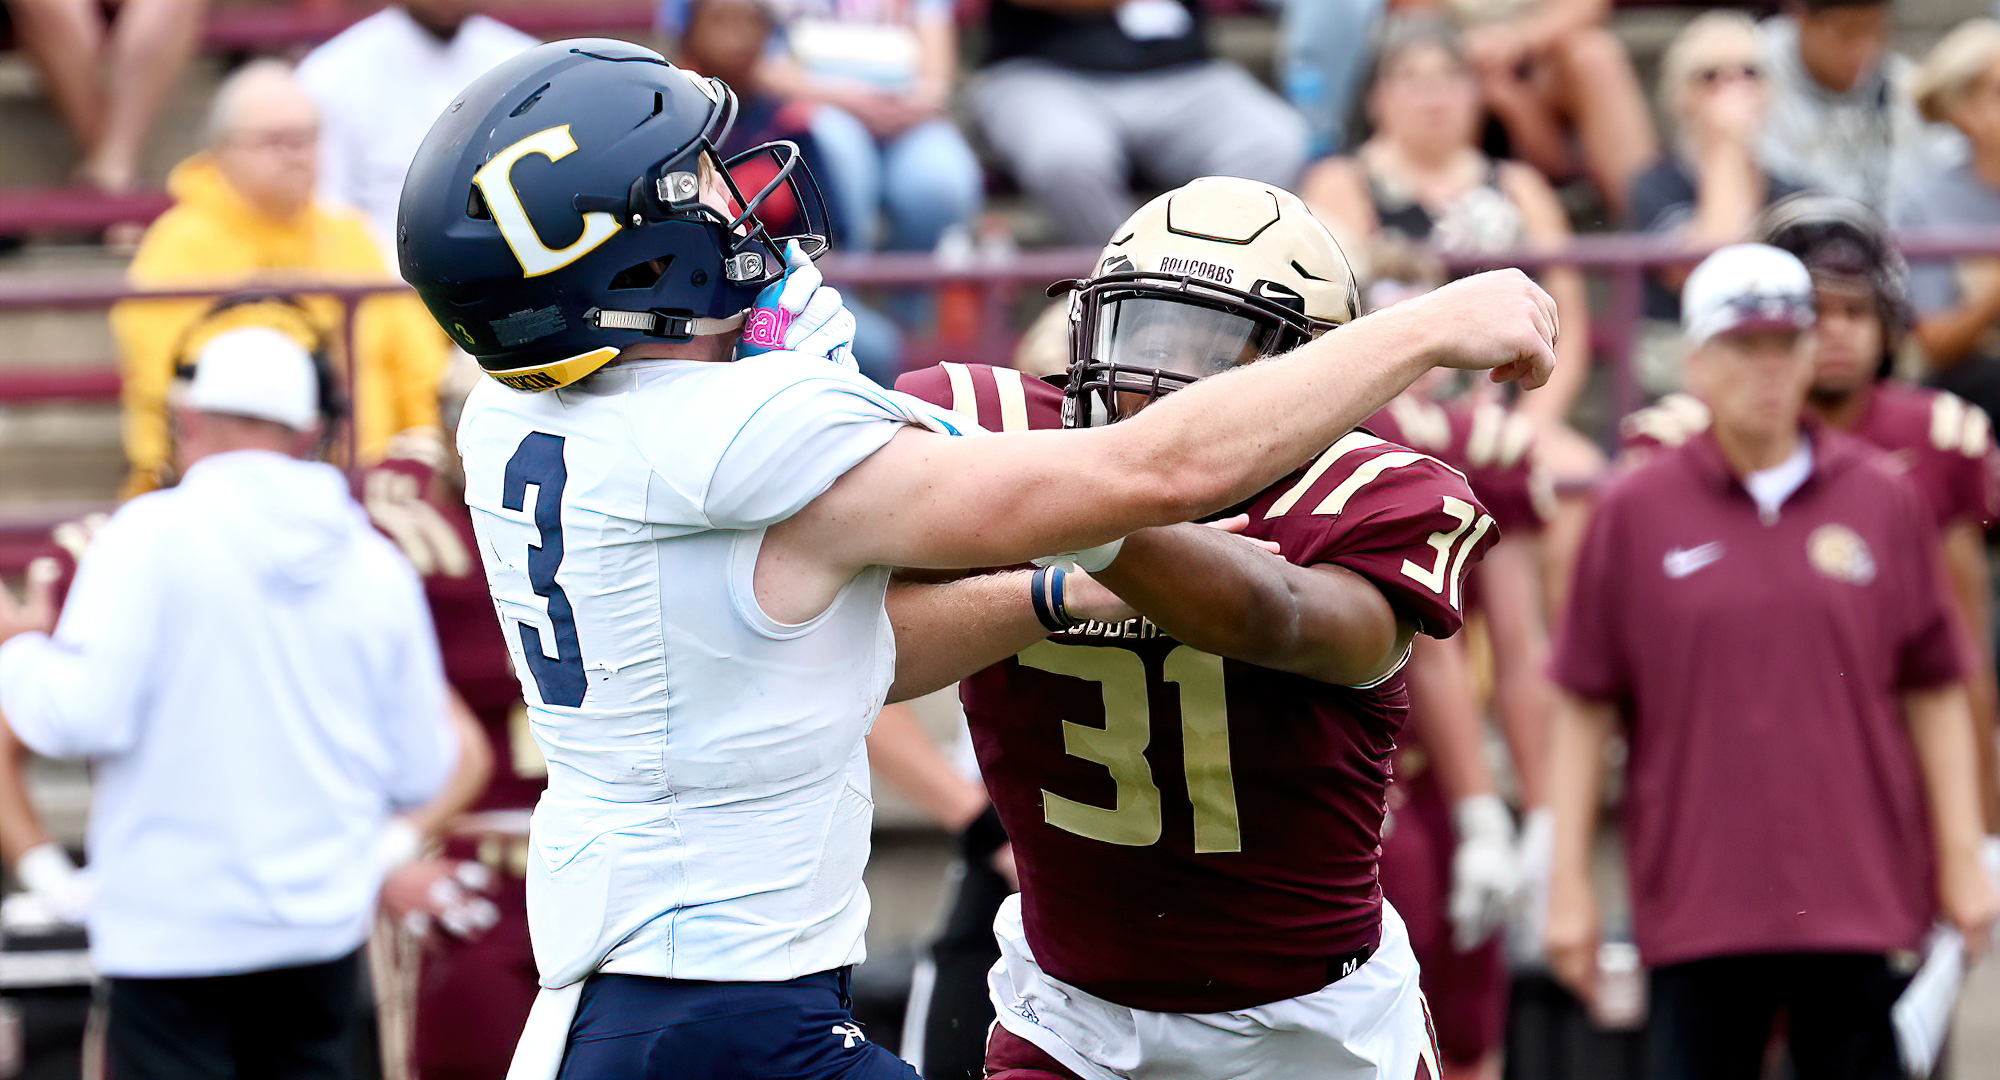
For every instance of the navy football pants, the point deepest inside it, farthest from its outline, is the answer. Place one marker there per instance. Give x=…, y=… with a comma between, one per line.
x=629, y=1027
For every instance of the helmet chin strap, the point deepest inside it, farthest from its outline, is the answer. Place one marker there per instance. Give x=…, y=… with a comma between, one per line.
x=663, y=325
x=706, y=327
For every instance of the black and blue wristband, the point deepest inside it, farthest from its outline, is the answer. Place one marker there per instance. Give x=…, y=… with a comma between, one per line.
x=1045, y=592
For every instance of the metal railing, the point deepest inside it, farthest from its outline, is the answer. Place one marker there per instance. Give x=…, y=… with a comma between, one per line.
x=989, y=289
x=993, y=285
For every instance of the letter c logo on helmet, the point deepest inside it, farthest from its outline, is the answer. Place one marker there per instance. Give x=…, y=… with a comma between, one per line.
x=496, y=184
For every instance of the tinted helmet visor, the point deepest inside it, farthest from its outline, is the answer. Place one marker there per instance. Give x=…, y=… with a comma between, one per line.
x=1138, y=342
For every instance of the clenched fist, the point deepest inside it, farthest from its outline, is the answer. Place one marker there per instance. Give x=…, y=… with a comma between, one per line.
x=1499, y=321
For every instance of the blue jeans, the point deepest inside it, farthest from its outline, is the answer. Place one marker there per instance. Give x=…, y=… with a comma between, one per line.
x=629, y=1027
x=921, y=182
x=1324, y=51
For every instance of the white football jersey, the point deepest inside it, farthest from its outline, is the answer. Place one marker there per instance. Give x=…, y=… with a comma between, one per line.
x=707, y=813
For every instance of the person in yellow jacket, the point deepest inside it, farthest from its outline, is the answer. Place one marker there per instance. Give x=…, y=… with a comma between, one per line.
x=244, y=214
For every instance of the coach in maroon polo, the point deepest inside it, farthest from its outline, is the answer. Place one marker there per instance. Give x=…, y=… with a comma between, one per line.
x=1761, y=611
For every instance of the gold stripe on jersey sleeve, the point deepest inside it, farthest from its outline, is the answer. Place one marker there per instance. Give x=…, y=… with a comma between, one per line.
x=1978, y=434
x=1464, y=553
x=1013, y=399
x=1482, y=444
x=963, y=401
x=1947, y=421
x=1353, y=440
x=1361, y=477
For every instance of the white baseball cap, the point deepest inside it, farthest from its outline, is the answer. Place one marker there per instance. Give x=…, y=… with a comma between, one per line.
x=1745, y=288
x=257, y=372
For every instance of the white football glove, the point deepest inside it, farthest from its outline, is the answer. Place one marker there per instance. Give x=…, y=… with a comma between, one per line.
x=49, y=876
x=397, y=507
x=1485, y=872
x=799, y=313
x=1531, y=909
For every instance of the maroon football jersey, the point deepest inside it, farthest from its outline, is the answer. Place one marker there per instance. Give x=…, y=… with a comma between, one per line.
x=1488, y=442
x=474, y=652
x=1196, y=834
x=1944, y=445
x=477, y=666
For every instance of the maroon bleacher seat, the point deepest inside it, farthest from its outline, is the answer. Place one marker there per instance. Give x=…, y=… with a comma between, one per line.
x=290, y=24
x=26, y=211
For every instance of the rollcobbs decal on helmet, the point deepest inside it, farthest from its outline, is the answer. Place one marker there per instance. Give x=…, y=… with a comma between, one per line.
x=571, y=203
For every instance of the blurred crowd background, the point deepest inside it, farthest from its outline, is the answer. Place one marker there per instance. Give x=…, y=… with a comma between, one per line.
x=971, y=152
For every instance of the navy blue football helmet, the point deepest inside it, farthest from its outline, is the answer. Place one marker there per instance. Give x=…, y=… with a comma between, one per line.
x=564, y=207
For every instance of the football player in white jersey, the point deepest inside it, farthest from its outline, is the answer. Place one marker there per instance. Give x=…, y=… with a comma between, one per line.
x=689, y=555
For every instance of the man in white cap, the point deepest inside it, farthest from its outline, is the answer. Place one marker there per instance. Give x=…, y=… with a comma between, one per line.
x=1759, y=607
x=252, y=671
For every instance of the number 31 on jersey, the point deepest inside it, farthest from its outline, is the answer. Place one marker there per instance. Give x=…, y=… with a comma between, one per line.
x=1120, y=746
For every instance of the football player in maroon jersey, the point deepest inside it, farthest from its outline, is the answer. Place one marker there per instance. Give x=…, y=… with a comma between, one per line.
x=1195, y=794
x=474, y=982
x=1449, y=859
x=1945, y=444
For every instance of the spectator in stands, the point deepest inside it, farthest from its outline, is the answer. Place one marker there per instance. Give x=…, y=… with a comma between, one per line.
x=109, y=77
x=1076, y=93
x=882, y=72
x=1958, y=304
x=1762, y=611
x=1421, y=184
x=381, y=83
x=253, y=672
x=726, y=39
x=1323, y=53
x=1708, y=188
x=1550, y=68
x=1841, y=117
x=245, y=214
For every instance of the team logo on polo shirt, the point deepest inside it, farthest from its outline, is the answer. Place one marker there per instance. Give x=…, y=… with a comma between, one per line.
x=1839, y=553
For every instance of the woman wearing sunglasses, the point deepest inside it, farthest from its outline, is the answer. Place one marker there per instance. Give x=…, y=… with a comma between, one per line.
x=1708, y=187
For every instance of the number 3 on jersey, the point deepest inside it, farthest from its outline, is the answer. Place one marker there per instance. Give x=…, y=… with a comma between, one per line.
x=538, y=461
x=1120, y=746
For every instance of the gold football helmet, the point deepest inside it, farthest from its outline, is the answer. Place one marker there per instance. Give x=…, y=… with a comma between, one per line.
x=1208, y=276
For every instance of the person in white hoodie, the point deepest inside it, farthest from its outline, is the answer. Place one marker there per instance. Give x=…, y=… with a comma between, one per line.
x=251, y=669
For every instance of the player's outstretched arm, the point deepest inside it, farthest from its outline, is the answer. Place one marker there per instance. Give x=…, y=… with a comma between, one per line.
x=926, y=500
x=1225, y=595
x=946, y=631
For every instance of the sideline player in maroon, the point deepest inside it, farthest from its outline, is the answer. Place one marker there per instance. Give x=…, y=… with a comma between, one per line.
x=1761, y=609
x=1449, y=858
x=1195, y=795
x=1945, y=444
x=474, y=981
